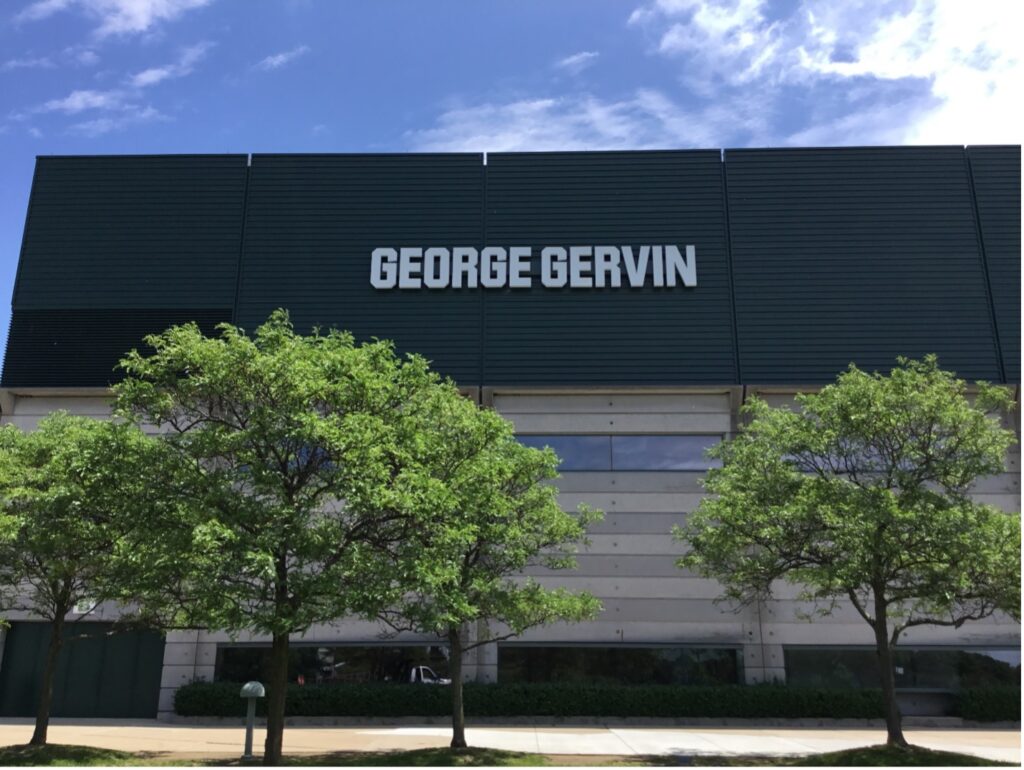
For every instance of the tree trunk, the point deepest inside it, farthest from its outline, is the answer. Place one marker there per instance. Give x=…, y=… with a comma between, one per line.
x=893, y=718
x=277, y=690
x=46, y=689
x=455, y=672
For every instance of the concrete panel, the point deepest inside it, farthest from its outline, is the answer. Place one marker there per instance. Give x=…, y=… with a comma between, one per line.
x=701, y=423
x=637, y=523
x=613, y=402
x=610, y=566
x=635, y=502
x=648, y=481
x=667, y=611
x=602, y=632
x=176, y=676
x=42, y=405
x=638, y=588
x=179, y=654
x=634, y=544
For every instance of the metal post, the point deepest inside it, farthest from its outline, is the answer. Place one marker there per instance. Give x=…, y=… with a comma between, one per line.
x=250, y=721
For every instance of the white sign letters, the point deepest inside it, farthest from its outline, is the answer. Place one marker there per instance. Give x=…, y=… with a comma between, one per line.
x=498, y=267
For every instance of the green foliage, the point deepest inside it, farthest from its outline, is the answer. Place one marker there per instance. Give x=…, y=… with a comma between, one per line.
x=68, y=522
x=863, y=756
x=863, y=494
x=268, y=433
x=554, y=700
x=990, y=704
x=492, y=518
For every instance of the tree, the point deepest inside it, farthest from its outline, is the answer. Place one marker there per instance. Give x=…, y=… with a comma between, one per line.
x=862, y=495
x=63, y=489
x=492, y=517
x=293, y=482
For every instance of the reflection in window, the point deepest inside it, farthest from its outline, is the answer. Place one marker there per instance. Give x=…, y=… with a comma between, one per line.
x=628, y=452
x=618, y=665
x=921, y=669
x=331, y=665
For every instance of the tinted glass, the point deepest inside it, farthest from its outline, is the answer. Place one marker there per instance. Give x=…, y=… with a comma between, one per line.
x=577, y=453
x=331, y=665
x=618, y=665
x=662, y=453
x=929, y=669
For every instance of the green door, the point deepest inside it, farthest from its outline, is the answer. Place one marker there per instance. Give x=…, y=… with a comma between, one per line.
x=98, y=675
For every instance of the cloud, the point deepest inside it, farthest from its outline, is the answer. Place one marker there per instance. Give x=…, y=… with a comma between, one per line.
x=131, y=115
x=578, y=62
x=645, y=119
x=80, y=101
x=956, y=64
x=278, y=60
x=115, y=17
x=18, y=64
x=85, y=57
x=184, y=66
x=35, y=132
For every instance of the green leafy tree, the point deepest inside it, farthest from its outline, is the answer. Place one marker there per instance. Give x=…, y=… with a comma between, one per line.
x=294, y=479
x=64, y=522
x=862, y=495
x=492, y=516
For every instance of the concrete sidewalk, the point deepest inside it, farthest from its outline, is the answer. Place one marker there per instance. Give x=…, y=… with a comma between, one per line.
x=194, y=742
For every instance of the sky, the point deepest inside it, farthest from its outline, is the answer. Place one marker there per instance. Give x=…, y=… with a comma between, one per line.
x=242, y=76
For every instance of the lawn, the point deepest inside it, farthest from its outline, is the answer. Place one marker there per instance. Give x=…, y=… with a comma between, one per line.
x=871, y=756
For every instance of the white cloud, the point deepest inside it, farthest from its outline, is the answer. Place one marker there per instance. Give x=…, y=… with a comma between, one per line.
x=116, y=122
x=956, y=63
x=277, y=60
x=35, y=132
x=578, y=62
x=86, y=57
x=185, y=64
x=646, y=119
x=80, y=101
x=19, y=64
x=115, y=17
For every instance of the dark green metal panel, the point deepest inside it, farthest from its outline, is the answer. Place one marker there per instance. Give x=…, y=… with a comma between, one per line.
x=98, y=675
x=856, y=254
x=58, y=348
x=612, y=335
x=313, y=221
x=996, y=175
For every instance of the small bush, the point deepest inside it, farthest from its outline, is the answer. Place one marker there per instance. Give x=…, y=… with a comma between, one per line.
x=554, y=700
x=991, y=704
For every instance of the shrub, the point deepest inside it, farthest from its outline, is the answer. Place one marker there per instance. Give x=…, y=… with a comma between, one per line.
x=991, y=704
x=555, y=700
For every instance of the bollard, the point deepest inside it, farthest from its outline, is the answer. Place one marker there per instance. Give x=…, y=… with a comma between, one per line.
x=250, y=691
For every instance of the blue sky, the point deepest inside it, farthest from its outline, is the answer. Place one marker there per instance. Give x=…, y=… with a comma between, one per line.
x=202, y=76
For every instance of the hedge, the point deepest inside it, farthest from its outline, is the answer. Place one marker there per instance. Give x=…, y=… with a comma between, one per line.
x=556, y=700
x=991, y=704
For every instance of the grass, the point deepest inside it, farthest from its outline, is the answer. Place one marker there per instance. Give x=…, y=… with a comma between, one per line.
x=870, y=756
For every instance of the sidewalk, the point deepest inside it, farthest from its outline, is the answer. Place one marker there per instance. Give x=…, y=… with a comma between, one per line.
x=194, y=742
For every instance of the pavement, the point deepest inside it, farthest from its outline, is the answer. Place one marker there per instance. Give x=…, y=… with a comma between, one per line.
x=188, y=741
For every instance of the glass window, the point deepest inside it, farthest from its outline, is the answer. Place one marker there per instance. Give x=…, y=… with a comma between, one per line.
x=331, y=665
x=577, y=453
x=921, y=668
x=618, y=665
x=662, y=453
x=628, y=452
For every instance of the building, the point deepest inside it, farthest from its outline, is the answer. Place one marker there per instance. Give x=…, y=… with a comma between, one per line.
x=698, y=278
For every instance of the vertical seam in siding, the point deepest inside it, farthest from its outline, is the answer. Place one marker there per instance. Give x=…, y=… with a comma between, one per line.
x=979, y=235
x=241, y=239
x=729, y=269
x=483, y=294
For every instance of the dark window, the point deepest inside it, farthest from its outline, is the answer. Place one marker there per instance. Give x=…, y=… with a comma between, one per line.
x=331, y=665
x=618, y=665
x=916, y=669
x=628, y=452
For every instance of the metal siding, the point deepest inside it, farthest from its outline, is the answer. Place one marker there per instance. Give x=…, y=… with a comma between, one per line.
x=60, y=348
x=312, y=223
x=609, y=336
x=132, y=231
x=996, y=174
x=856, y=254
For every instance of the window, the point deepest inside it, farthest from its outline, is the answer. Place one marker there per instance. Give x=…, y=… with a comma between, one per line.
x=916, y=669
x=331, y=665
x=618, y=665
x=628, y=452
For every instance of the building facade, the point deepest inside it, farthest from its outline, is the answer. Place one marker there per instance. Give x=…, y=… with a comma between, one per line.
x=617, y=306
